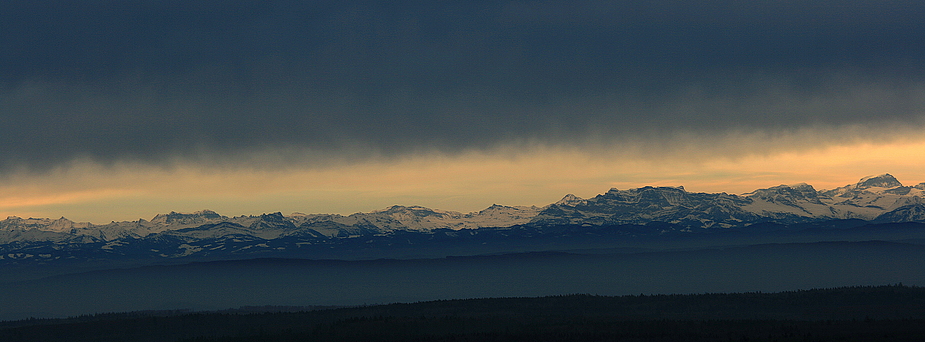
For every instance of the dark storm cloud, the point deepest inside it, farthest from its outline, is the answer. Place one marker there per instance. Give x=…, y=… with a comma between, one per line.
x=152, y=80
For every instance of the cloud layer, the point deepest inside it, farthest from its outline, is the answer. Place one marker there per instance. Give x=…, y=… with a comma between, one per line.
x=319, y=81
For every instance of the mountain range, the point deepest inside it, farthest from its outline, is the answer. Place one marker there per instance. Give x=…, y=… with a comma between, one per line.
x=652, y=211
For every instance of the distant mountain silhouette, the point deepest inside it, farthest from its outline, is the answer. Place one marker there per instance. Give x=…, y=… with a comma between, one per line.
x=649, y=212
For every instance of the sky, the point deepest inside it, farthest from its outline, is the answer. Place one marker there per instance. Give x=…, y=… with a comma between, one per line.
x=120, y=110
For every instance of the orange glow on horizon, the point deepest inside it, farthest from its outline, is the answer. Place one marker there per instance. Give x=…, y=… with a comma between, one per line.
x=467, y=182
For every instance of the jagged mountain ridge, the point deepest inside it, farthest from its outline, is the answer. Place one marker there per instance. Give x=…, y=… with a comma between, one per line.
x=875, y=199
x=272, y=225
x=879, y=198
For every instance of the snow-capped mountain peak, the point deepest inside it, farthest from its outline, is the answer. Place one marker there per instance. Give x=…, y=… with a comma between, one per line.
x=882, y=184
x=175, y=218
x=885, y=180
x=786, y=194
x=570, y=200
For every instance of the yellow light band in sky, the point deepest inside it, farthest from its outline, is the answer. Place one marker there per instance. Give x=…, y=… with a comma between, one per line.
x=85, y=191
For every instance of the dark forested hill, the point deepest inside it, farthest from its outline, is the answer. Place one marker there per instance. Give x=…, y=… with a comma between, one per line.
x=893, y=312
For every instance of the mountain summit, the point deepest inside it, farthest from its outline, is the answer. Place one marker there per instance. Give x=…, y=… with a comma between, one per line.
x=885, y=180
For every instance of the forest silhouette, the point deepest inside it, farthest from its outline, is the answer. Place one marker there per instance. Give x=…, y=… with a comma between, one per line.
x=871, y=313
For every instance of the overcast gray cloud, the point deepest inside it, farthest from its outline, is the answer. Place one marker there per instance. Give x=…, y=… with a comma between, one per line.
x=153, y=80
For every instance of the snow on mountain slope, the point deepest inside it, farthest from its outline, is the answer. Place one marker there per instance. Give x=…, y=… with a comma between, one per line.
x=869, y=198
x=797, y=201
x=59, y=225
x=571, y=200
x=648, y=204
x=499, y=216
x=414, y=218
